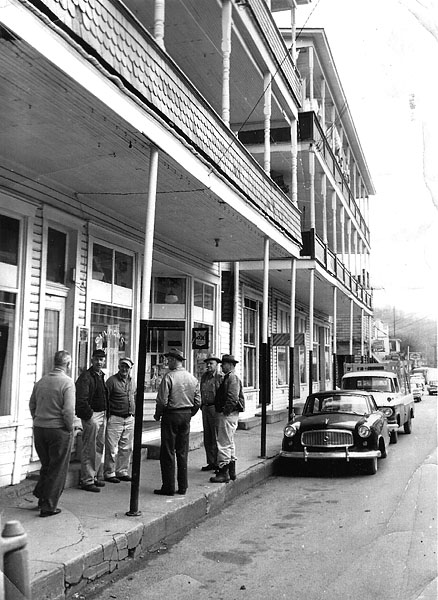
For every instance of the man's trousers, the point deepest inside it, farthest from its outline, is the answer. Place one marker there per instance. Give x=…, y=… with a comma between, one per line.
x=175, y=433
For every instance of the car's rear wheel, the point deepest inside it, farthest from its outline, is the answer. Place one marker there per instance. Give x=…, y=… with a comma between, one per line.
x=394, y=437
x=407, y=427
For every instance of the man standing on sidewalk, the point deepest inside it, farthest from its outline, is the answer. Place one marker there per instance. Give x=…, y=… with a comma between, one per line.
x=52, y=406
x=91, y=408
x=178, y=400
x=229, y=402
x=120, y=425
x=210, y=382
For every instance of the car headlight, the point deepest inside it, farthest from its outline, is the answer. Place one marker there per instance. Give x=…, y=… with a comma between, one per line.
x=387, y=411
x=364, y=431
x=291, y=430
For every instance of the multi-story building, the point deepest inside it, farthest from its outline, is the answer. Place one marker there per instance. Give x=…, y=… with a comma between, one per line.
x=132, y=196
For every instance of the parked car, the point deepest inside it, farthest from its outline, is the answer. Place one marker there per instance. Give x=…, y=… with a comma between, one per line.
x=433, y=386
x=418, y=387
x=338, y=424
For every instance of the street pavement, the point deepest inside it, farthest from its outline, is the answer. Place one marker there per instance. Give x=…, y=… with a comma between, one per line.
x=93, y=536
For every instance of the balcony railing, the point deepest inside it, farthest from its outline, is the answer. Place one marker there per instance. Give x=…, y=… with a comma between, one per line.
x=126, y=52
x=275, y=41
x=315, y=248
x=310, y=129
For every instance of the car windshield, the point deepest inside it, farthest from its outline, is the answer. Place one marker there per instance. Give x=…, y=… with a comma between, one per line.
x=336, y=403
x=368, y=383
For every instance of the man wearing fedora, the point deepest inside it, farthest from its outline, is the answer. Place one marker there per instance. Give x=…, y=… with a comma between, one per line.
x=210, y=382
x=178, y=399
x=91, y=407
x=120, y=425
x=229, y=402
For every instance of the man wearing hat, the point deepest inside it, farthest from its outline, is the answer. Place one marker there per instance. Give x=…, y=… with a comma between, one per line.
x=210, y=382
x=229, y=402
x=178, y=399
x=120, y=425
x=91, y=407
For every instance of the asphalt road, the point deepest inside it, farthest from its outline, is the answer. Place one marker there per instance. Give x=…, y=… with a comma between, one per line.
x=323, y=533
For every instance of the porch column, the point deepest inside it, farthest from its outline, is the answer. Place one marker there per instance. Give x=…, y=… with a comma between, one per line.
x=159, y=10
x=267, y=107
x=354, y=183
x=349, y=243
x=294, y=162
x=324, y=208
x=144, y=320
x=226, y=59
x=235, y=336
x=333, y=136
x=265, y=379
x=311, y=82
x=342, y=218
x=293, y=277
x=293, y=31
x=335, y=216
x=351, y=327
x=355, y=250
x=323, y=104
x=362, y=341
x=311, y=317
x=312, y=188
x=335, y=335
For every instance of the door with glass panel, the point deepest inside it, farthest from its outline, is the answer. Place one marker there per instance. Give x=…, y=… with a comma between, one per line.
x=54, y=318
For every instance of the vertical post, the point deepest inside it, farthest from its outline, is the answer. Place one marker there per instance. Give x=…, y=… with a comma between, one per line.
x=311, y=317
x=335, y=233
x=361, y=335
x=235, y=336
x=324, y=208
x=294, y=161
x=293, y=273
x=351, y=329
x=293, y=30
x=265, y=358
x=15, y=578
x=312, y=188
x=226, y=59
x=335, y=335
x=323, y=104
x=159, y=11
x=267, y=108
x=144, y=320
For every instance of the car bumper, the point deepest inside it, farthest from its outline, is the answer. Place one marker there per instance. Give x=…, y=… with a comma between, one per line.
x=333, y=454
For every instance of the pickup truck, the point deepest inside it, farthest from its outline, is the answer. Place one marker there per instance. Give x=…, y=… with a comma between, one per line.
x=390, y=391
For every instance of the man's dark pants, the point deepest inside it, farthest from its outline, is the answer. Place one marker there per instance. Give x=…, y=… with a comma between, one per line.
x=54, y=449
x=175, y=433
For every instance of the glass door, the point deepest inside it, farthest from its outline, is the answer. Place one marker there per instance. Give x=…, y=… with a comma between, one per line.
x=54, y=317
x=162, y=335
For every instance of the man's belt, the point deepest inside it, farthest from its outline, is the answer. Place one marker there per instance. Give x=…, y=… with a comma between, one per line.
x=121, y=416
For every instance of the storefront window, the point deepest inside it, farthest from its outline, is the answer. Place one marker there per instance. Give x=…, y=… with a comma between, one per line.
x=283, y=326
x=9, y=237
x=169, y=290
x=203, y=295
x=200, y=354
x=102, y=263
x=161, y=338
x=250, y=313
x=123, y=270
x=111, y=331
x=56, y=253
x=7, y=334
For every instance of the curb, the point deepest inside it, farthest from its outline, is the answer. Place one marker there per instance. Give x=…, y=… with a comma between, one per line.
x=57, y=581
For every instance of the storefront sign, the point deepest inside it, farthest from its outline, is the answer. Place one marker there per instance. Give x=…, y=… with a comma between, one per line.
x=200, y=337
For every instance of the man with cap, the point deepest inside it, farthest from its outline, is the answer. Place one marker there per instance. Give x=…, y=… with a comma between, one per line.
x=210, y=382
x=178, y=399
x=120, y=425
x=91, y=408
x=229, y=402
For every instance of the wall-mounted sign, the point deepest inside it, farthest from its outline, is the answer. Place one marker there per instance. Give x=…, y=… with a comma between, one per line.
x=200, y=337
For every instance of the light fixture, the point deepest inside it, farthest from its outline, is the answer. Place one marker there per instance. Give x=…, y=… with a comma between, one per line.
x=171, y=297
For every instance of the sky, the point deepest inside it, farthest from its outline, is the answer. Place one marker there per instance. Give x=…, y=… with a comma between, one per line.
x=386, y=55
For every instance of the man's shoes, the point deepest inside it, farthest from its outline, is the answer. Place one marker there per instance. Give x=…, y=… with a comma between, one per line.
x=90, y=488
x=162, y=492
x=50, y=513
x=124, y=477
x=112, y=479
x=181, y=492
x=99, y=482
x=208, y=467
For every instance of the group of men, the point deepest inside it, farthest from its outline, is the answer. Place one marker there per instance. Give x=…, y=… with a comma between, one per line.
x=220, y=396
x=106, y=410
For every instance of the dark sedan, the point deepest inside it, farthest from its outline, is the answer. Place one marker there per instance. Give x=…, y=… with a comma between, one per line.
x=339, y=425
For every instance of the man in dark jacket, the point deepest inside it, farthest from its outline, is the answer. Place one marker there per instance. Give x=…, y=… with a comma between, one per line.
x=229, y=402
x=91, y=407
x=210, y=382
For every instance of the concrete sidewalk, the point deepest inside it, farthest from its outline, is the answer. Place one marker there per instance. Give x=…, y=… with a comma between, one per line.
x=93, y=535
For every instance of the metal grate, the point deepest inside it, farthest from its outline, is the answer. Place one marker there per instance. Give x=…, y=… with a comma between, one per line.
x=327, y=438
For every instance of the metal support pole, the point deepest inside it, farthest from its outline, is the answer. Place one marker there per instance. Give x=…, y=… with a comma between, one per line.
x=293, y=275
x=311, y=320
x=15, y=580
x=264, y=350
x=335, y=336
x=144, y=319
